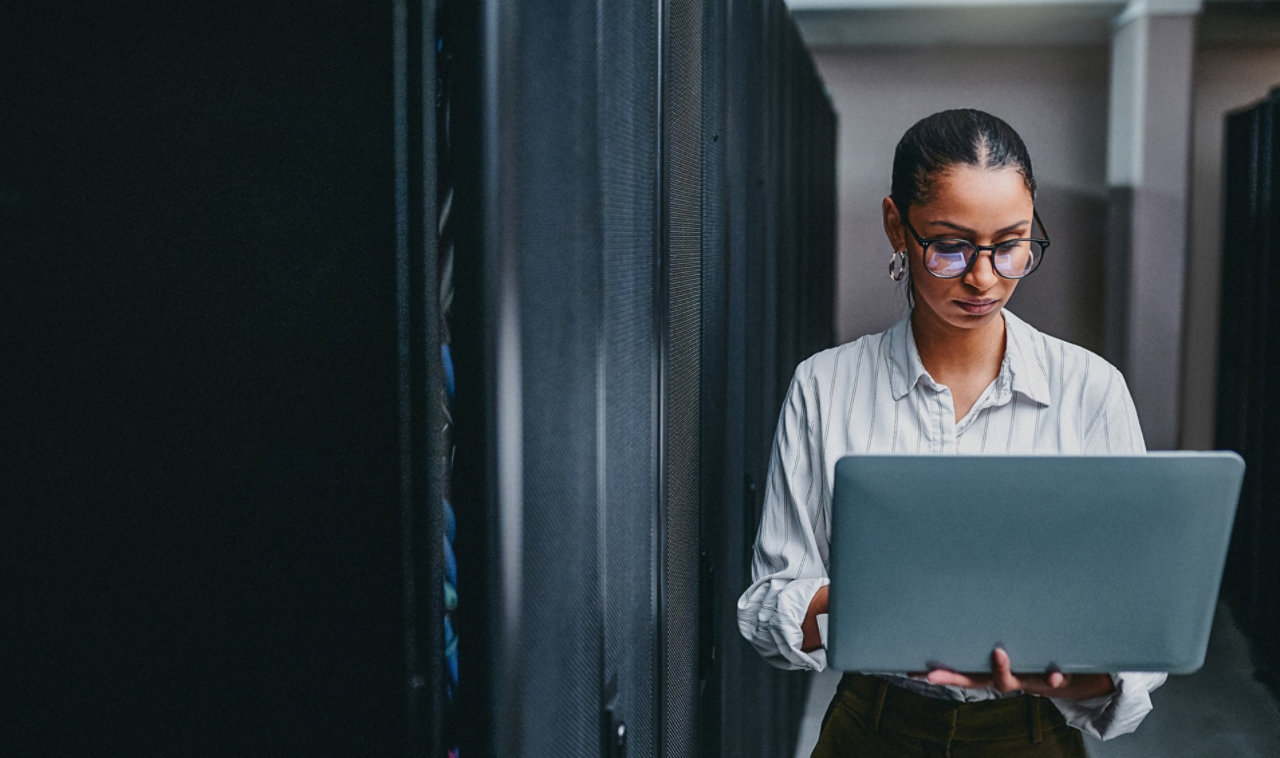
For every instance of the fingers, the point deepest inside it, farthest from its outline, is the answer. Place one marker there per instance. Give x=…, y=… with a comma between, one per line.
x=1056, y=678
x=1002, y=677
x=957, y=679
x=1052, y=683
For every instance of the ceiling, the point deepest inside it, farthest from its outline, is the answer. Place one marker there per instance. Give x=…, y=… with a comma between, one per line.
x=896, y=23
x=919, y=24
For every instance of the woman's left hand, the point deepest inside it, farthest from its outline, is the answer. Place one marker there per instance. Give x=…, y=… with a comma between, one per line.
x=1052, y=683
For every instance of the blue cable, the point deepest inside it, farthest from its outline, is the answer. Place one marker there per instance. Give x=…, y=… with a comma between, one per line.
x=450, y=596
x=451, y=651
x=450, y=522
x=447, y=358
x=450, y=564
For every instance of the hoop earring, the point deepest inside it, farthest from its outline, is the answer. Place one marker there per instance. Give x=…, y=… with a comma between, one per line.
x=898, y=265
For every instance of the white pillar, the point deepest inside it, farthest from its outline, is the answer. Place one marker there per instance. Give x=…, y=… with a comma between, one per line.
x=1152, y=49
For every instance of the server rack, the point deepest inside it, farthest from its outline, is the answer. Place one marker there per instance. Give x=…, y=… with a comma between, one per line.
x=1248, y=360
x=217, y=224
x=650, y=236
x=257, y=512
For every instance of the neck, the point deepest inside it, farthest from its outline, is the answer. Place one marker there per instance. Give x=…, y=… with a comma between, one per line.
x=949, y=352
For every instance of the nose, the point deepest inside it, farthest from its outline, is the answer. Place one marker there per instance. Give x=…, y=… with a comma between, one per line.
x=982, y=275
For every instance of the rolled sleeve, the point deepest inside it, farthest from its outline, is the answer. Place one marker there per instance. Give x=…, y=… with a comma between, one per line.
x=770, y=618
x=1118, y=713
x=788, y=566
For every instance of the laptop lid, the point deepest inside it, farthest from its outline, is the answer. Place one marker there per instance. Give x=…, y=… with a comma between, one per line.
x=1087, y=563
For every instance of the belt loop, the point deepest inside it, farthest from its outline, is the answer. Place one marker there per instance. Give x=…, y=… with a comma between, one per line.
x=878, y=708
x=1033, y=719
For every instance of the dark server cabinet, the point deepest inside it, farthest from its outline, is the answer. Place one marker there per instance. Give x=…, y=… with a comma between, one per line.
x=1248, y=361
x=214, y=228
x=776, y=150
x=386, y=379
x=642, y=256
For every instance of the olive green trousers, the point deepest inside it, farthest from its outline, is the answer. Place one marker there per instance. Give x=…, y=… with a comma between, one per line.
x=870, y=718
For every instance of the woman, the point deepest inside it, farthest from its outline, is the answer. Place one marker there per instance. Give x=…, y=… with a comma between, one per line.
x=959, y=375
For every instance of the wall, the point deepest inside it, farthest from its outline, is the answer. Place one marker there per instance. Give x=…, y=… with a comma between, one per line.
x=1057, y=100
x=1226, y=78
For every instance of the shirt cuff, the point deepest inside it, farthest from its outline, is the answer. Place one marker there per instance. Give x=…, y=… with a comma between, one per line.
x=793, y=605
x=1117, y=713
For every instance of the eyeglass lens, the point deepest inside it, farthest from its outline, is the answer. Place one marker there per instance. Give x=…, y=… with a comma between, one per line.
x=1013, y=259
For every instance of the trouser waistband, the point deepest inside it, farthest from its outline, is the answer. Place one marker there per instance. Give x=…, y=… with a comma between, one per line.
x=883, y=705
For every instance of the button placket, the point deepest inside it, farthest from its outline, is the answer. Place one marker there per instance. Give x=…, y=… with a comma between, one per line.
x=946, y=442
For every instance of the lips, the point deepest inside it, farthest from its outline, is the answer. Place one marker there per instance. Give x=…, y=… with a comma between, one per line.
x=977, y=307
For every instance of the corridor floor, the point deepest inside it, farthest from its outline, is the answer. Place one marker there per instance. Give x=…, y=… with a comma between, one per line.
x=1220, y=711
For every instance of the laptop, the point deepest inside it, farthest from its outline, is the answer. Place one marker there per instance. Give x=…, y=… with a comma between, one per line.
x=1086, y=563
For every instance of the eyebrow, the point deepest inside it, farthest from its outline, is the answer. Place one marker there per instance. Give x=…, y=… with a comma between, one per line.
x=966, y=230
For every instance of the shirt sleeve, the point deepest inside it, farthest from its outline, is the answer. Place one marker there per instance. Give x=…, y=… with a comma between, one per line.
x=1114, y=430
x=1118, y=713
x=787, y=566
x=1113, y=427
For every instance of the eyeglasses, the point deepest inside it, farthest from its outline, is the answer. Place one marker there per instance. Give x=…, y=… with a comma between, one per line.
x=950, y=258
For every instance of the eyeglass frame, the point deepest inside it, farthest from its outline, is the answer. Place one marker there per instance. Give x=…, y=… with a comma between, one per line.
x=924, y=249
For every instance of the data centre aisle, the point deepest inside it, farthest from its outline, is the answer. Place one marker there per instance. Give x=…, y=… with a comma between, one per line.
x=1219, y=711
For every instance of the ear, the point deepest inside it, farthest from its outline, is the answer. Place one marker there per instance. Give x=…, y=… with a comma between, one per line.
x=893, y=228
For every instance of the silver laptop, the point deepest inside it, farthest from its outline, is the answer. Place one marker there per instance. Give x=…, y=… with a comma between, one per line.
x=1090, y=564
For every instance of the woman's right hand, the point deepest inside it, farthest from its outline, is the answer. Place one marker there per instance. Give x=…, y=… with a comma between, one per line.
x=817, y=606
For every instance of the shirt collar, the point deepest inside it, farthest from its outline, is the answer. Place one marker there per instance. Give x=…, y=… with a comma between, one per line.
x=905, y=366
x=1022, y=370
x=1024, y=366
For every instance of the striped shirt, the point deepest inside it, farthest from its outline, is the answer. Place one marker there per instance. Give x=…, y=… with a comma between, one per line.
x=874, y=395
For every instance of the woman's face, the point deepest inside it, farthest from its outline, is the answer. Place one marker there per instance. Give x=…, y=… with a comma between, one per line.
x=984, y=206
